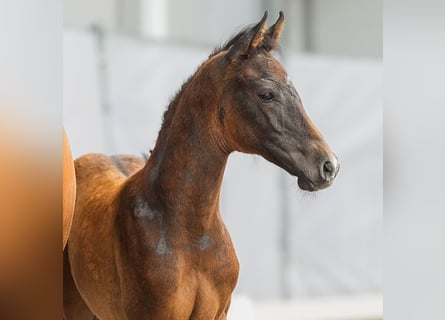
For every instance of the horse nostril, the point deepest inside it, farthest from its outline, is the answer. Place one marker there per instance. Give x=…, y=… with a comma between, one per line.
x=328, y=170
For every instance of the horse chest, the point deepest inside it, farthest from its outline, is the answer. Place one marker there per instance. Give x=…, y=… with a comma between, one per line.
x=169, y=264
x=205, y=281
x=196, y=277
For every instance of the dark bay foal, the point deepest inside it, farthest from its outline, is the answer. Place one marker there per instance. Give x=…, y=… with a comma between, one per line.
x=148, y=240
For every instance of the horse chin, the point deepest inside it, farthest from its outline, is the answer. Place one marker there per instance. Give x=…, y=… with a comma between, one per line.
x=291, y=165
x=306, y=185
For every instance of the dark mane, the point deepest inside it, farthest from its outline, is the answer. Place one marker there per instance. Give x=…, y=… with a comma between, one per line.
x=168, y=114
x=231, y=41
x=268, y=43
x=170, y=111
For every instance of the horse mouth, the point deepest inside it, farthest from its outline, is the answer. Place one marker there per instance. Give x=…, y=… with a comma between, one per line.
x=305, y=184
x=292, y=164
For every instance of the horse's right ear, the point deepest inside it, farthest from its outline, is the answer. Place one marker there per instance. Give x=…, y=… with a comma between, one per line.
x=249, y=41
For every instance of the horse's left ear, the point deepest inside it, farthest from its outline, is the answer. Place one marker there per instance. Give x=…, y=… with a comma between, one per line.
x=258, y=38
x=250, y=41
x=272, y=36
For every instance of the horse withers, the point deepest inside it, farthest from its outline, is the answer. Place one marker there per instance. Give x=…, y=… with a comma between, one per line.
x=147, y=240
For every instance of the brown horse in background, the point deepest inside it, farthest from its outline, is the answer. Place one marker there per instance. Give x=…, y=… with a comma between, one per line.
x=148, y=240
x=69, y=188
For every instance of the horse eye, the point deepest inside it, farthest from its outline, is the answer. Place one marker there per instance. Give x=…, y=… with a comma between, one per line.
x=266, y=96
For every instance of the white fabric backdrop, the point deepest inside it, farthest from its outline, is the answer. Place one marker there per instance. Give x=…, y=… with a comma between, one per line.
x=334, y=236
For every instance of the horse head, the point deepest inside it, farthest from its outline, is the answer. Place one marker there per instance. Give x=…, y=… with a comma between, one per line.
x=262, y=113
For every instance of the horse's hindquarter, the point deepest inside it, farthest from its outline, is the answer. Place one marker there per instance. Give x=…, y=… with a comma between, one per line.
x=93, y=235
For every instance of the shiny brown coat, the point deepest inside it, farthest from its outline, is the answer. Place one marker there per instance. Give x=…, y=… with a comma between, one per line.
x=148, y=240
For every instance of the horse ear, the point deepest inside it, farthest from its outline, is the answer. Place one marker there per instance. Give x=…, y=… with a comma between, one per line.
x=251, y=40
x=274, y=32
x=259, y=31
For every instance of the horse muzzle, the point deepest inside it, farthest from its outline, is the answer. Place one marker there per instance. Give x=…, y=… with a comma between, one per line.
x=326, y=174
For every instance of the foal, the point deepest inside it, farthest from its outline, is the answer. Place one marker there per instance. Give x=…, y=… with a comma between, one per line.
x=148, y=240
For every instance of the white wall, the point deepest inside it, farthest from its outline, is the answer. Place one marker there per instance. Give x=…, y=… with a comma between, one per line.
x=346, y=27
x=84, y=13
x=339, y=27
x=334, y=237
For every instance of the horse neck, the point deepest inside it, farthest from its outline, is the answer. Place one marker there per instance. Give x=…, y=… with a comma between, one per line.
x=185, y=170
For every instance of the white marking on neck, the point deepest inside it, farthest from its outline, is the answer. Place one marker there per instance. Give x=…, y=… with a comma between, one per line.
x=163, y=249
x=205, y=242
x=142, y=209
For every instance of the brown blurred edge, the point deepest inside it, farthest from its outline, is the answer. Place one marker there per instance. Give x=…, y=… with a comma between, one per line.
x=69, y=188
